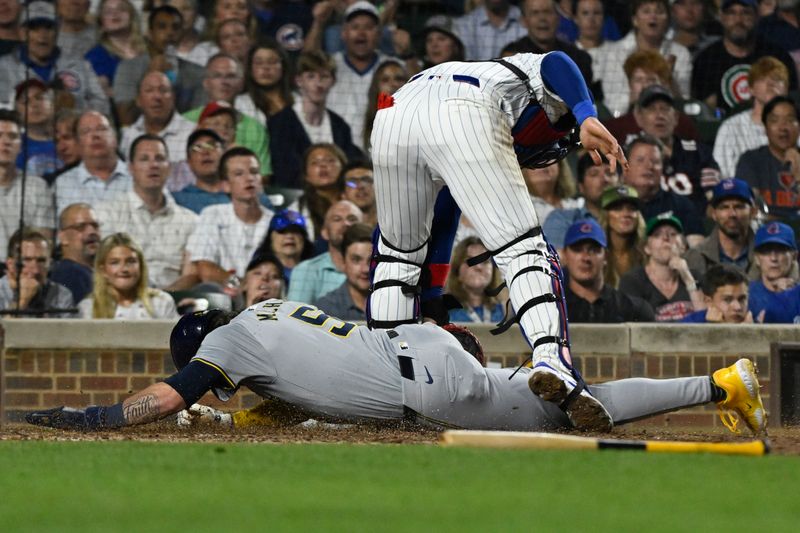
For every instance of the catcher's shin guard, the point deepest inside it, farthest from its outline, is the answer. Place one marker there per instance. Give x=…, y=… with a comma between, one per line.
x=394, y=293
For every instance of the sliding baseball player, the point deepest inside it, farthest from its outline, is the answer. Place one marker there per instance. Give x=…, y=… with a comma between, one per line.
x=308, y=364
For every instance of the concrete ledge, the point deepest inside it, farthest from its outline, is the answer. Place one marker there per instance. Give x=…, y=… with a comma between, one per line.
x=733, y=339
x=587, y=339
x=86, y=334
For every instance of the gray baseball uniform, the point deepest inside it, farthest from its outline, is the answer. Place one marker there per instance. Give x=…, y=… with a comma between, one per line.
x=339, y=370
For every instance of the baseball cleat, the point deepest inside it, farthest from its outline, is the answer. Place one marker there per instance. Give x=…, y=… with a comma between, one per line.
x=59, y=418
x=740, y=383
x=584, y=411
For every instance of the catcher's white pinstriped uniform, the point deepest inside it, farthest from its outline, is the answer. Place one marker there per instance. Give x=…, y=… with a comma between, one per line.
x=340, y=371
x=452, y=124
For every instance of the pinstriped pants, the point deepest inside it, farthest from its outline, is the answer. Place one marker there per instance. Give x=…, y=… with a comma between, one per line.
x=442, y=131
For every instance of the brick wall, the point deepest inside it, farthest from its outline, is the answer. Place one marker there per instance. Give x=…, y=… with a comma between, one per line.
x=34, y=374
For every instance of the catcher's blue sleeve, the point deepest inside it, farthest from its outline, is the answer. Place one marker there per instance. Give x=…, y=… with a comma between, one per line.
x=446, y=215
x=561, y=76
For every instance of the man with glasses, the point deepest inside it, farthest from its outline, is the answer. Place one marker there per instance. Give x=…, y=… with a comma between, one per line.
x=101, y=175
x=196, y=182
x=359, y=189
x=79, y=235
x=38, y=211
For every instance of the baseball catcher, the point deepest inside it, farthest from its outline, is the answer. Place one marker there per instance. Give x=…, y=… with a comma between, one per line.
x=471, y=126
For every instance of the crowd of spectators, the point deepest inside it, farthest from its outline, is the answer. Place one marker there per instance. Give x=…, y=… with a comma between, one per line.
x=158, y=155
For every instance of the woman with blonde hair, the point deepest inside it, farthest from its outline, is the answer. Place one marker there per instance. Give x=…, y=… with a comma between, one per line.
x=624, y=227
x=551, y=188
x=468, y=284
x=120, y=284
x=120, y=37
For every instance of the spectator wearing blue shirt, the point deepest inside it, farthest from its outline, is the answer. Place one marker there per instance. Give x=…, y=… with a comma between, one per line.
x=776, y=294
x=731, y=240
x=592, y=181
x=34, y=101
x=204, y=187
x=726, y=293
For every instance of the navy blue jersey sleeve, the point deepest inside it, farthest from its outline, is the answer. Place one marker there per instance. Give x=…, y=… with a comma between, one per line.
x=194, y=380
x=562, y=76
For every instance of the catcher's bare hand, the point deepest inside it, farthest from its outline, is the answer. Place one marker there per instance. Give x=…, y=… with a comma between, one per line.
x=596, y=139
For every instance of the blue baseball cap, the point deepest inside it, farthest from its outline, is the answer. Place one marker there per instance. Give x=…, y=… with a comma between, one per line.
x=283, y=220
x=731, y=188
x=749, y=3
x=775, y=233
x=585, y=230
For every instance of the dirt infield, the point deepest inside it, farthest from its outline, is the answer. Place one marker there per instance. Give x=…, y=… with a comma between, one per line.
x=784, y=441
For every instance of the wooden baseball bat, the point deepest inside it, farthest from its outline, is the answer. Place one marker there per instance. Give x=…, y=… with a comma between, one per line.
x=552, y=441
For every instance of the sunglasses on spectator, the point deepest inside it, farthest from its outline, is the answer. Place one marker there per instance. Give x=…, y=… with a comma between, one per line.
x=202, y=147
x=355, y=181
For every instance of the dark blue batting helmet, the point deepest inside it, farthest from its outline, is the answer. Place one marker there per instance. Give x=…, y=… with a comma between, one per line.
x=189, y=332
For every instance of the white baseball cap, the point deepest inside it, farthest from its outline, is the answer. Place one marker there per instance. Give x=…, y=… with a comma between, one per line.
x=362, y=7
x=38, y=11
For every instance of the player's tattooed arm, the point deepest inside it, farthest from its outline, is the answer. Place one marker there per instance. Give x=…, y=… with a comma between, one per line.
x=153, y=403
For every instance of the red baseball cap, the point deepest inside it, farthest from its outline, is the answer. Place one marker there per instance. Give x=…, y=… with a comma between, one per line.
x=215, y=108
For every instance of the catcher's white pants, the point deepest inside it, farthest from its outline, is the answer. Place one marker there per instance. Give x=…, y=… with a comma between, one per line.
x=442, y=130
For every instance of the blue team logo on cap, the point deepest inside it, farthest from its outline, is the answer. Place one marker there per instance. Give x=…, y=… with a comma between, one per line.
x=776, y=233
x=585, y=230
x=732, y=188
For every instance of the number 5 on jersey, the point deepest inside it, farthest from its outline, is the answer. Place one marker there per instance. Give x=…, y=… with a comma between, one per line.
x=315, y=317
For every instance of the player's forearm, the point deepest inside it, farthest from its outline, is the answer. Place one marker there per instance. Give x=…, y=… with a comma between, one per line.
x=153, y=403
x=562, y=76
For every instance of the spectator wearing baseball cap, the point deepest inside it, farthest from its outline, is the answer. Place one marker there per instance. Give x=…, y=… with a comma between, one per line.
x=773, y=171
x=665, y=281
x=776, y=293
x=689, y=167
x=196, y=181
x=720, y=70
x=623, y=224
x=731, y=241
x=438, y=42
x=356, y=66
x=287, y=239
x=38, y=56
x=645, y=173
x=592, y=181
x=588, y=297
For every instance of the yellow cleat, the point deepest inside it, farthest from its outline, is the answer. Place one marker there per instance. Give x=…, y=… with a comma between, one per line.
x=740, y=383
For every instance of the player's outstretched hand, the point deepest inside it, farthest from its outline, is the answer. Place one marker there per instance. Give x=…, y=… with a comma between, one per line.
x=596, y=139
x=202, y=413
x=59, y=418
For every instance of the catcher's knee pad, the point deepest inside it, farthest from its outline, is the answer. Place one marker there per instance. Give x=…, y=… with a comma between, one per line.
x=534, y=279
x=395, y=290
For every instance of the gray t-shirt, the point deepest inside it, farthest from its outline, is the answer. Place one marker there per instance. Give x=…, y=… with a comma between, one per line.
x=50, y=296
